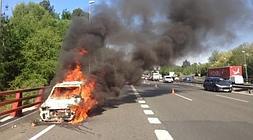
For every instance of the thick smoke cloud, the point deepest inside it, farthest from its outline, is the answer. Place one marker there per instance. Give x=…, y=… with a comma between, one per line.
x=153, y=33
x=175, y=28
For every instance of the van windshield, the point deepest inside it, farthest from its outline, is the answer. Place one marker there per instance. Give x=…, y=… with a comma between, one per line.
x=65, y=92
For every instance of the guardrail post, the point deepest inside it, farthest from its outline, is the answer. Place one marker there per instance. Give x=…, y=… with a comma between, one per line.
x=17, y=104
x=40, y=97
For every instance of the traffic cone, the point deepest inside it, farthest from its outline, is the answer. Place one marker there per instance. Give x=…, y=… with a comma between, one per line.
x=173, y=91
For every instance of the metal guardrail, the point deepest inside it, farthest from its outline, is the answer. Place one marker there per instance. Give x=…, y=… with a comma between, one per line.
x=17, y=102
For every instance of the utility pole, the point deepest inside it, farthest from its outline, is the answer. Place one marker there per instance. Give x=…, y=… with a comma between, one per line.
x=245, y=65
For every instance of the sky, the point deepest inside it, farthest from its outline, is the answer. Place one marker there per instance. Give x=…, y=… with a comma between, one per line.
x=60, y=5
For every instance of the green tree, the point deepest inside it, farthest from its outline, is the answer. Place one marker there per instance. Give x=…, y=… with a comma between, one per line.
x=66, y=14
x=46, y=4
x=79, y=12
x=186, y=63
x=38, y=36
x=214, y=57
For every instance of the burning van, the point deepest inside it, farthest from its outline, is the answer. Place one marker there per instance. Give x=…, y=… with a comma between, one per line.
x=58, y=105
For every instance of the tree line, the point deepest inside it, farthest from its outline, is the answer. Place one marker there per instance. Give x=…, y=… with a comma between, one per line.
x=30, y=41
x=239, y=56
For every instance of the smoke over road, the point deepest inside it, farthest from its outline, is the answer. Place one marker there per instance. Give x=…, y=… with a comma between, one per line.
x=127, y=36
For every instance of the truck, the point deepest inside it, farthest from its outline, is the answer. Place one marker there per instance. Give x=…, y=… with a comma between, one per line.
x=156, y=76
x=233, y=73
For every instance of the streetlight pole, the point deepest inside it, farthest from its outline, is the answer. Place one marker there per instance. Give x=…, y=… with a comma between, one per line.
x=245, y=65
x=1, y=3
x=90, y=10
x=89, y=18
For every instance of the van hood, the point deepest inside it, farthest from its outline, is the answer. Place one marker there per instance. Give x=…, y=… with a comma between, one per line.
x=53, y=103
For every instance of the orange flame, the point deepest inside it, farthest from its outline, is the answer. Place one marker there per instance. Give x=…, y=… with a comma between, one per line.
x=75, y=74
x=86, y=105
x=88, y=102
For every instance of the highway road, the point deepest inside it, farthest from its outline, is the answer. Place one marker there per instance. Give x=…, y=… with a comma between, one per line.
x=150, y=111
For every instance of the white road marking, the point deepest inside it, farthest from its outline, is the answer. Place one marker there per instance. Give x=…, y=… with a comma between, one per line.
x=144, y=106
x=6, y=118
x=148, y=112
x=11, y=117
x=140, y=98
x=163, y=135
x=141, y=101
x=183, y=97
x=29, y=109
x=233, y=98
x=136, y=93
x=154, y=121
x=42, y=132
x=243, y=93
x=18, y=119
x=134, y=89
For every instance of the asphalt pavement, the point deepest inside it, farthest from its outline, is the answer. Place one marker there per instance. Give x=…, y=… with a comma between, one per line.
x=152, y=111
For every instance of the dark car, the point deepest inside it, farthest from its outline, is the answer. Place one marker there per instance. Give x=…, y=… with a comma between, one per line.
x=217, y=84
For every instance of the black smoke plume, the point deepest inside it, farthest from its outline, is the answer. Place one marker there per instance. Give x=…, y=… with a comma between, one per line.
x=125, y=37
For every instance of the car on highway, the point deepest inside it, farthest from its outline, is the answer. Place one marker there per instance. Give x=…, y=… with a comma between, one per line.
x=217, y=84
x=188, y=79
x=62, y=97
x=168, y=79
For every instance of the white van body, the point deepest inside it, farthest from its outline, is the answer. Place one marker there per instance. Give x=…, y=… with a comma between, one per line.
x=168, y=79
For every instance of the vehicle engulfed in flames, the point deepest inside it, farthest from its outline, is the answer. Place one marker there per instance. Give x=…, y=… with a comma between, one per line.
x=63, y=96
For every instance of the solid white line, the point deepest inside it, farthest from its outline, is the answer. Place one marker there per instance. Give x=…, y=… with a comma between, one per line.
x=144, y=106
x=141, y=101
x=243, y=93
x=29, y=109
x=183, y=97
x=148, y=112
x=233, y=98
x=18, y=119
x=154, y=121
x=11, y=117
x=6, y=118
x=42, y=132
x=163, y=135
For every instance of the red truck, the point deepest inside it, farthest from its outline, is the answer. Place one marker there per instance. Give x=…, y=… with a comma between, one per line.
x=233, y=73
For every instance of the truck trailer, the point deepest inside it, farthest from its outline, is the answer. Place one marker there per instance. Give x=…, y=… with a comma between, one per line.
x=233, y=73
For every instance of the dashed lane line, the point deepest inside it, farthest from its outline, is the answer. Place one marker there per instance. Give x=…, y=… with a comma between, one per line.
x=42, y=132
x=183, y=97
x=148, y=112
x=163, y=135
x=134, y=89
x=160, y=134
x=144, y=106
x=141, y=101
x=233, y=98
x=154, y=121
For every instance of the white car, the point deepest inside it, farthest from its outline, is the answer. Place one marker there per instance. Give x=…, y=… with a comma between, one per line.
x=58, y=104
x=168, y=79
